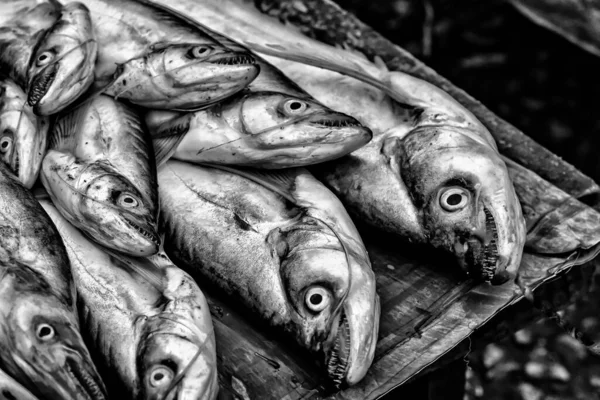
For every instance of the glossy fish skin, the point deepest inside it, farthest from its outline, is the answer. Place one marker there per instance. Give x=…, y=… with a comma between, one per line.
x=12, y=390
x=282, y=261
x=370, y=183
x=41, y=346
x=181, y=76
x=137, y=331
x=23, y=135
x=19, y=32
x=412, y=165
x=100, y=173
x=127, y=31
x=272, y=124
x=62, y=64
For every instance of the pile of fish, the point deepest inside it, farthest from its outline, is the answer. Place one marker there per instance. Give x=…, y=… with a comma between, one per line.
x=146, y=156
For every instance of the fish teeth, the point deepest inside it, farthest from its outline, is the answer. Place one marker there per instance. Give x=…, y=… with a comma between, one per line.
x=144, y=232
x=336, y=367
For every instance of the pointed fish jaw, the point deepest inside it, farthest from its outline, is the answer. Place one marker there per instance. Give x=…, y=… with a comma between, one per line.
x=302, y=142
x=487, y=237
x=154, y=82
x=357, y=331
x=65, y=179
x=72, y=50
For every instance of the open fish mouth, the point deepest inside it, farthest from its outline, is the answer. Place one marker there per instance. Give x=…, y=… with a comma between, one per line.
x=41, y=84
x=483, y=257
x=84, y=380
x=337, y=358
x=150, y=235
x=335, y=121
x=237, y=59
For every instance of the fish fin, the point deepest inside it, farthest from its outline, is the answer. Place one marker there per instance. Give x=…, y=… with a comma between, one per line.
x=168, y=137
x=142, y=267
x=164, y=148
x=282, y=181
x=66, y=126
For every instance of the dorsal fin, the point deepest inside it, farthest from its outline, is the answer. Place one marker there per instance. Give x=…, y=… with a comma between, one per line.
x=282, y=182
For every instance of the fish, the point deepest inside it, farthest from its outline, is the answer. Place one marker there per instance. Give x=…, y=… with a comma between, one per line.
x=19, y=32
x=153, y=335
x=100, y=173
x=282, y=245
x=13, y=390
x=271, y=124
x=49, y=50
x=159, y=59
x=23, y=135
x=62, y=63
x=432, y=173
x=40, y=345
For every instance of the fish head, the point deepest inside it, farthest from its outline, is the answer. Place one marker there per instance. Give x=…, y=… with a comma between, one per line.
x=198, y=73
x=102, y=203
x=467, y=199
x=332, y=291
x=302, y=126
x=45, y=342
x=128, y=223
x=61, y=67
x=177, y=361
x=22, y=135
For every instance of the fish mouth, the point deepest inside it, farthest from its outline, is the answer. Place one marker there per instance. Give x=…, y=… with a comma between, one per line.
x=481, y=253
x=337, y=359
x=235, y=59
x=151, y=236
x=83, y=380
x=40, y=84
x=335, y=121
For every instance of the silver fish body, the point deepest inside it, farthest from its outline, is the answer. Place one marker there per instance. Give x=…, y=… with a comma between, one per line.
x=23, y=135
x=100, y=173
x=41, y=346
x=272, y=124
x=157, y=59
x=432, y=175
x=301, y=268
x=157, y=342
x=424, y=176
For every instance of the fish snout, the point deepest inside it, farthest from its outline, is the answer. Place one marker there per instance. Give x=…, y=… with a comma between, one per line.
x=84, y=378
x=40, y=84
x=143, y=239
x=351, y=348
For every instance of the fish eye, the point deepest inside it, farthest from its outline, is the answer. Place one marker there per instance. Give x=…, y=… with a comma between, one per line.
x=6, y=142
x=454, y=199
x=128, y=201
x=294, y=107
x=44, y=59
x=317, y=299
x=200, y=51
x=44, y=332
x=161, y=376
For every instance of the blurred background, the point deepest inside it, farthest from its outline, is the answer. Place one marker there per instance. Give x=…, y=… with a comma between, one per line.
x=549, y=88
